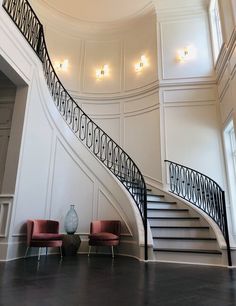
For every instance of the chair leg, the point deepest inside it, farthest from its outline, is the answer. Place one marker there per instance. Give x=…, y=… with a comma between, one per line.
x=89, y=250
x=26, y=252
x=112, y=251
x=60, y=252
x=39, y=254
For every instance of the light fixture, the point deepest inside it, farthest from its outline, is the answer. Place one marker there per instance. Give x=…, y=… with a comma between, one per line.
x=185, y=54
x=102, y=72
x=141, y=64
x=61, y=65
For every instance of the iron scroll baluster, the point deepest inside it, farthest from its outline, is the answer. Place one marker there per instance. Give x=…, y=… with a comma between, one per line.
x=203, y=192
x=97, y=141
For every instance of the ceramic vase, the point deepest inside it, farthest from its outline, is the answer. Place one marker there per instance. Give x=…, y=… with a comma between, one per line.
x=71, y=221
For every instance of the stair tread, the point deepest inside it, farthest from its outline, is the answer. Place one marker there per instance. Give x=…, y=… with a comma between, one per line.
x=185, y=238
x=161, y=202
x=174, y=218
x=188, y=251
x=169, y=209
x=180, y=227
x=155, y=195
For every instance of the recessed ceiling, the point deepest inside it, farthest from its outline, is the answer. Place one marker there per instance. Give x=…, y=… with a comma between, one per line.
x=99, y=10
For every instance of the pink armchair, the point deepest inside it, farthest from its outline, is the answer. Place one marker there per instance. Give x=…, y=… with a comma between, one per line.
x=104, y=233
x=43, y=233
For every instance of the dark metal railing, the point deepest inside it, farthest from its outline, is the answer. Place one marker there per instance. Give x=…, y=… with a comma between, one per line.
x=203, y=192
x=96, y=140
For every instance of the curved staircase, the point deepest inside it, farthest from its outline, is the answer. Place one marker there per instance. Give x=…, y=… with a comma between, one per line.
x=179, y=233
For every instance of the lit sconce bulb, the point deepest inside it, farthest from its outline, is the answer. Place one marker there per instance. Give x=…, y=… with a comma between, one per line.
x=140, y=65
x=61, y=65
x=103, y=72
x=185, y=54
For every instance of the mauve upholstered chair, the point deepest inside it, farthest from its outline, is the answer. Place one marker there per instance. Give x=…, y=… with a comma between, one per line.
x=104, y=233
x=43, y=233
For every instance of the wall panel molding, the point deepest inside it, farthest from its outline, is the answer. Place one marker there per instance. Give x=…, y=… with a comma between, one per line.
x=101, y=109
x=115, y=207
x=6, y=202
x=227, y=54
x=224, y=81
x=189, y=95
x=200, y=69
x=135, y=93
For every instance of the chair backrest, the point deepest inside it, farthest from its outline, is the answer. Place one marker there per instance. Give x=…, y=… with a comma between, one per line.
x=110, y=226
x=41, y=226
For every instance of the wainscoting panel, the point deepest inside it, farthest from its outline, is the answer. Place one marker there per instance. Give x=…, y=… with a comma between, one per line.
x=109, y=211
x=71, y=185
x=110, y=125
x=174, y=36
x=34, y=165
x=101, y=109
x=98, y=54
x=5, y=210
x=191, y=95
x=63, y=47
x=141, y=103
x=142, y=141
x=224, y=81
x=193, y=138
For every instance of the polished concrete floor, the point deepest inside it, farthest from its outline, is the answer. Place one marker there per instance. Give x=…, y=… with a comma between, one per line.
x=99, y=280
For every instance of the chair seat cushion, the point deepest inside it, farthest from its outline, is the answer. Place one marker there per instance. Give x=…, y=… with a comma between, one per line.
x=47, y=236
x=103, y=236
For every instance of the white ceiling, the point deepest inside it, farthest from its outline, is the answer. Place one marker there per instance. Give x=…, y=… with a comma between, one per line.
x=99, y=10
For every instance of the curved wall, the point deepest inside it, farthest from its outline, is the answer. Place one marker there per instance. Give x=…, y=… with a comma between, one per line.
x=126, y=103
x=55, y=169
x=169, y=110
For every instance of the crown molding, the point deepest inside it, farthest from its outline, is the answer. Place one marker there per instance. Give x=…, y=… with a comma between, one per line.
x=136, y=93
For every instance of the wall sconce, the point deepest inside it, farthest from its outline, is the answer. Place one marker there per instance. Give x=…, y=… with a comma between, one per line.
x=61, y=65
x=140, y=65
x=103, y=72
x=185, y=54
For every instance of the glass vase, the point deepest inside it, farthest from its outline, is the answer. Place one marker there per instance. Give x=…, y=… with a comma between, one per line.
x=71, y=221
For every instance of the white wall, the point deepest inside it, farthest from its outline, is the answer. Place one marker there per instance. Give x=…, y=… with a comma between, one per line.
x=55, y=169
x=7, y=99
x=126, y=104
x=192, y=131
x=227, y=14
x=226, y=69
x=188, y=94
x=144, y=120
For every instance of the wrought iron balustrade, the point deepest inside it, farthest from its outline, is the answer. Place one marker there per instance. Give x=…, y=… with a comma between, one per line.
x=96, y=140
x=203, y=192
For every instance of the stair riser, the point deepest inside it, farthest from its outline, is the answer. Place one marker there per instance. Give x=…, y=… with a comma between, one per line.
x=189, y=232
x=189, y=258
x=167, y=213
x=174, y=222
x=155, y=198
x=185, y=244
x=161, y=205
